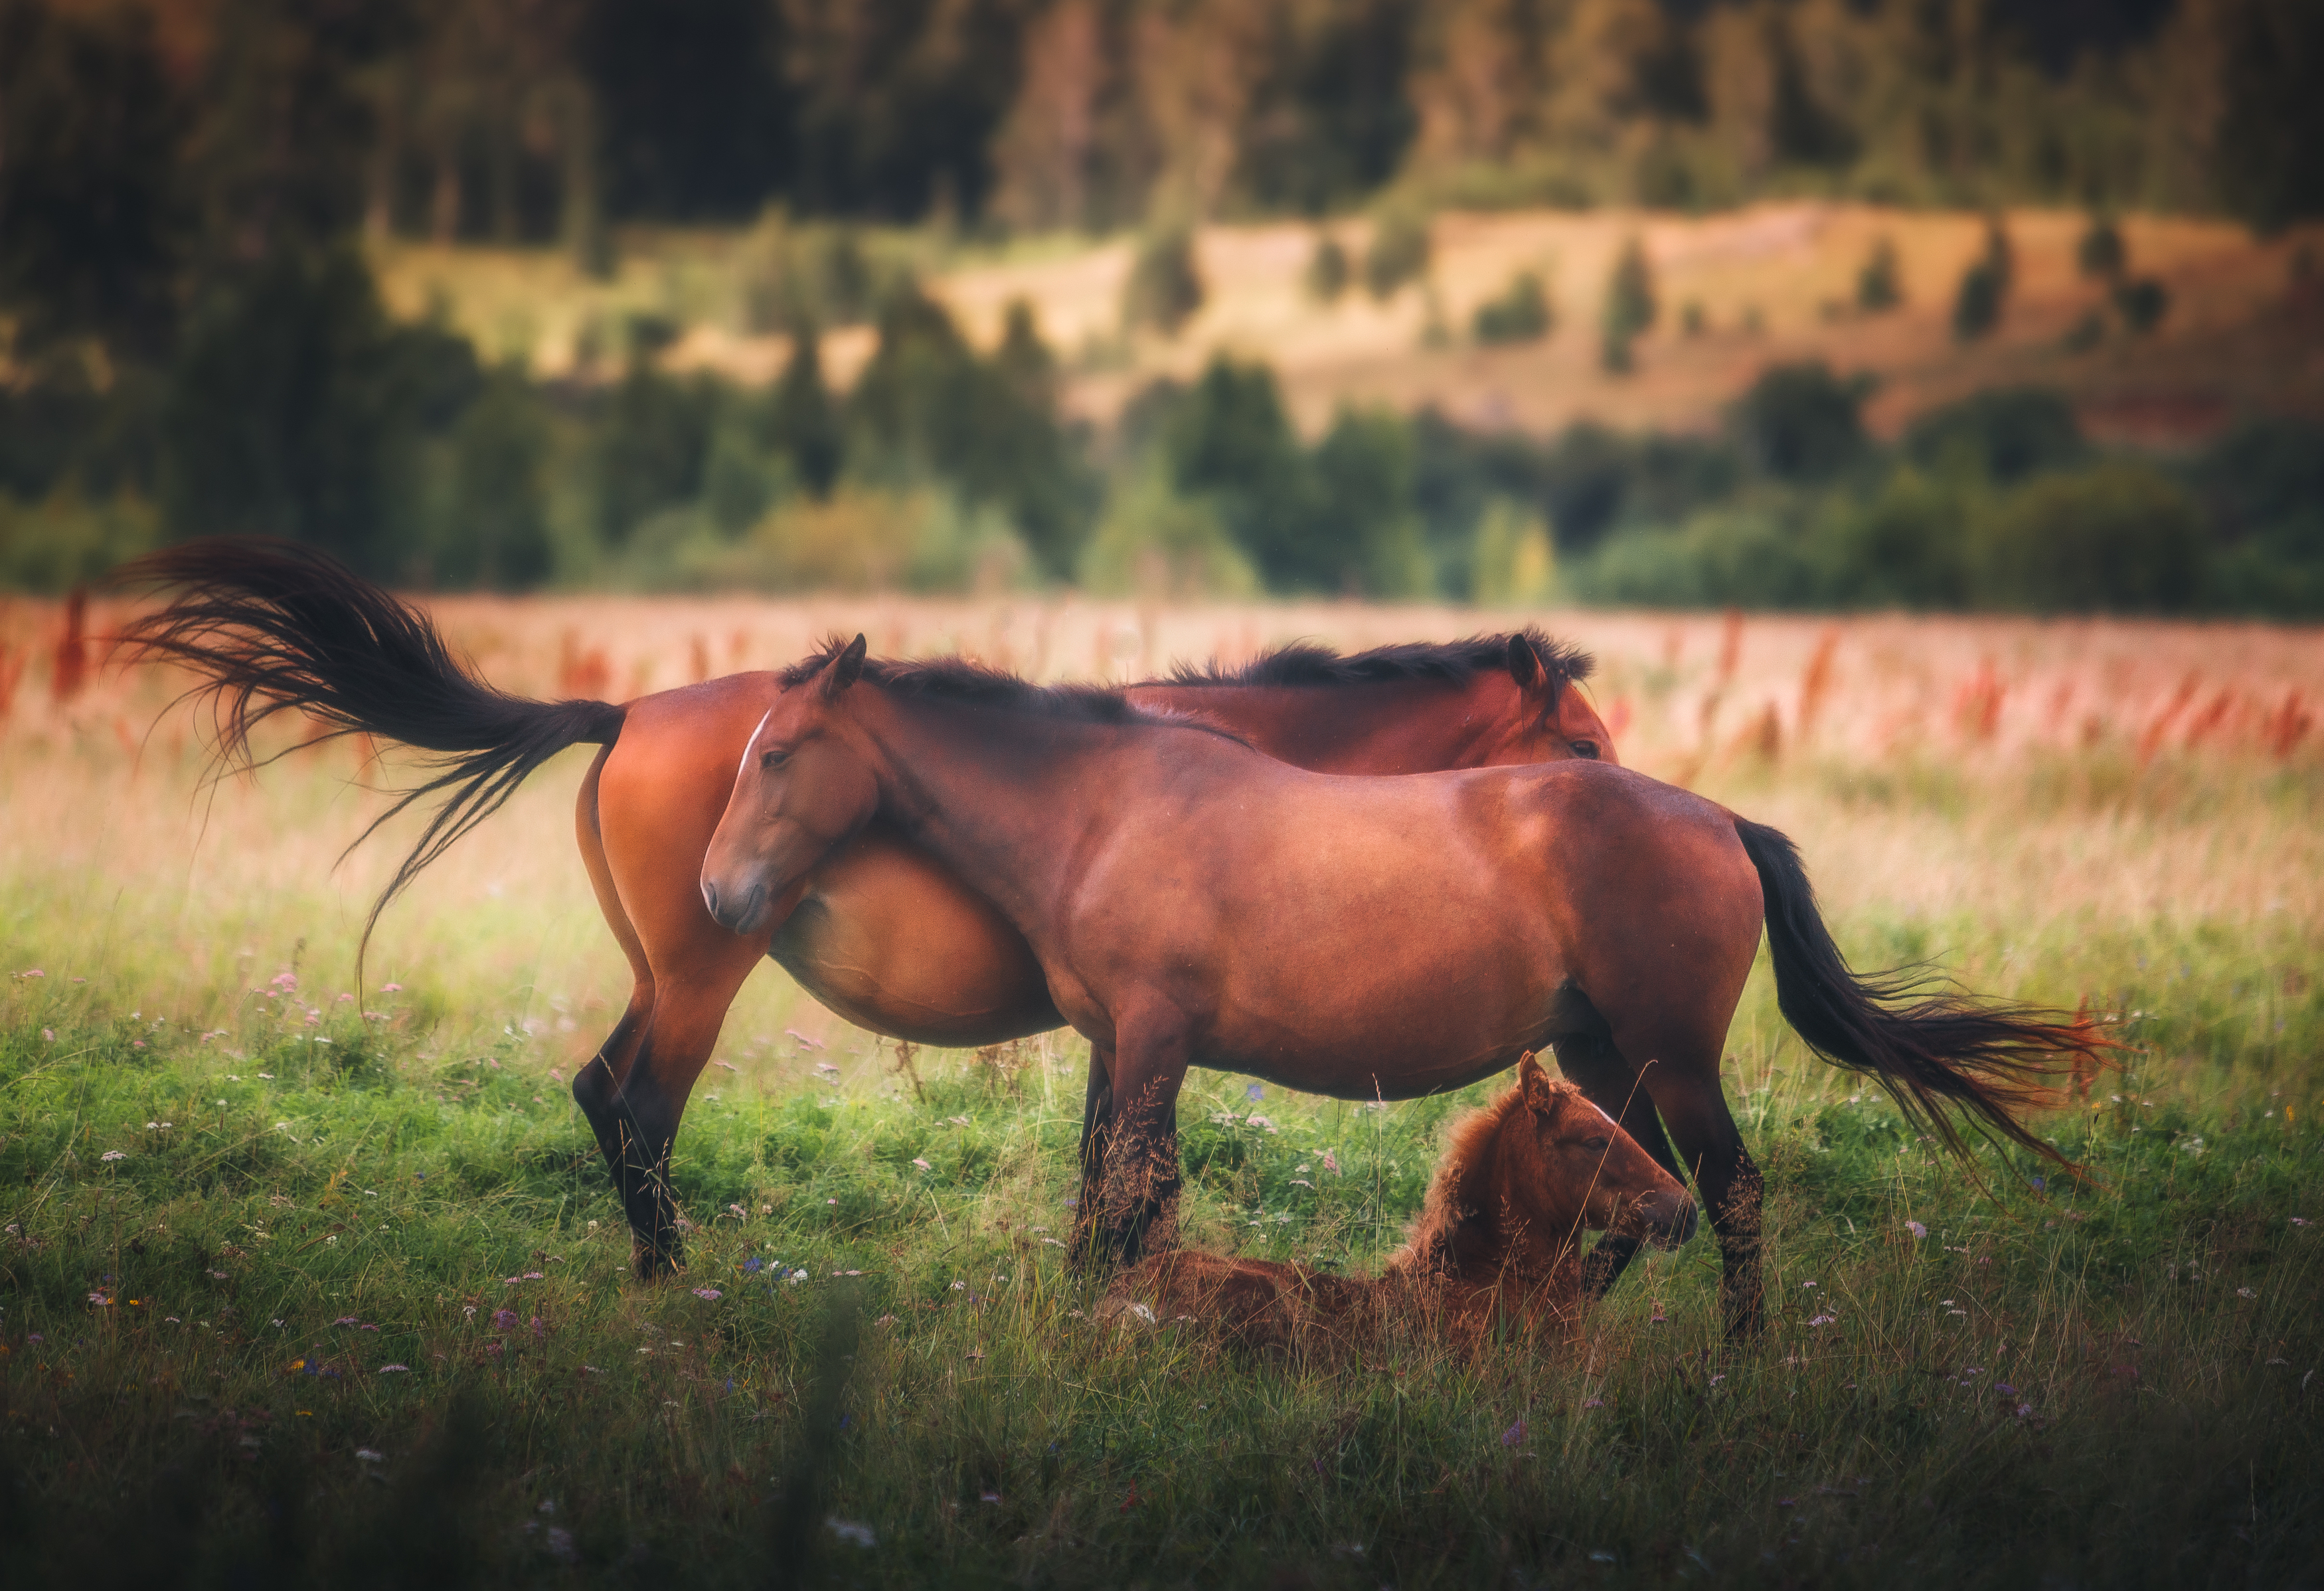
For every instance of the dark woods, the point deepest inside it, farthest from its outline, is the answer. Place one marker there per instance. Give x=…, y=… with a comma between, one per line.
x=195, y=343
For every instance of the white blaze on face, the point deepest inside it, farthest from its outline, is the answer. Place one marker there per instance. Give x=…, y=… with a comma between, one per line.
x=753, y=741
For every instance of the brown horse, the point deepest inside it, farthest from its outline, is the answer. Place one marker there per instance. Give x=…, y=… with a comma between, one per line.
x=1193, y=902
x=1496, y=1243
x=882, y=932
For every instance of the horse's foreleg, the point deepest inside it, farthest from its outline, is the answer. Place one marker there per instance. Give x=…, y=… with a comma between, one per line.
x=1140, y=1182
x=1607, y=1079
x=1097, y=1128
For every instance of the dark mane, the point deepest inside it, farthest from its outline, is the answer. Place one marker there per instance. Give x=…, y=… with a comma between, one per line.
x=966, y=683
x=1454, y=663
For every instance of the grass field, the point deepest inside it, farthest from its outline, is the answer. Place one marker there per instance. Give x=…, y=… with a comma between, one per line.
x=306, y=1287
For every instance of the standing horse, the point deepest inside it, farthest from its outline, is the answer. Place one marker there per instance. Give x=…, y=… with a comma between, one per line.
x=880, y=933
x=1499, y=1240
x=1193, y=901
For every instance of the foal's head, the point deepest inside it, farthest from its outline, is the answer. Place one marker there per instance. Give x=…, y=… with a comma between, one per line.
x=802, y=789
x=1542, y=1165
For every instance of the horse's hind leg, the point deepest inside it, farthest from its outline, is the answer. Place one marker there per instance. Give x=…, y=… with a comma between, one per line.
x=597, y=1085
x=1682, y=1081
x=1599, y=1070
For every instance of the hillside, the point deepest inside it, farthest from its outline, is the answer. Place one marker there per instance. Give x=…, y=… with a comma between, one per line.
x=2244, y=331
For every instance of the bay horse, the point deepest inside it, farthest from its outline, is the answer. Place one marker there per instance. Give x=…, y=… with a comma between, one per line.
x=1496, y=1243
x=1192, y=900
x=881, y=933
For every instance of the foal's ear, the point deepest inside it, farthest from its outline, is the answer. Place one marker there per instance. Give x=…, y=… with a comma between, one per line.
x=1540, y=1096
x=845, y=669
x=1525, y=664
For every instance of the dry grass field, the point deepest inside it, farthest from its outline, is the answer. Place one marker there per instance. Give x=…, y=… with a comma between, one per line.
x=1968, y=1379
x=1772, y=283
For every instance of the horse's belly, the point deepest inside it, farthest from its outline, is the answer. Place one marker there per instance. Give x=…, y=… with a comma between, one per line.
x=894, y=943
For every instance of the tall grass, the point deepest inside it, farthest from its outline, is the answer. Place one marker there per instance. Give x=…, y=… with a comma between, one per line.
x=1969, y=1376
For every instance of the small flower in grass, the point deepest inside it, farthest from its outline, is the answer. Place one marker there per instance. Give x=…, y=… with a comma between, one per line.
x=2005, y=1389
x=2245, y=1293
x=371, y=1455
x=391, y=988
x=113, y=1154
x=100, y=1299
x=1331, y=1163
x=751, y=1265
x=922, y=1164
x=1823, y=1321
x=395, y=1370
x=505, y=1319
x=708, y=1294
x=1593, y=1402
x=1514, y=1435
x=849, y=1530
x=1917, y=1229
x=50, y=1034
x=31, y=972
x=2024, y=1409
x=2300, y=1220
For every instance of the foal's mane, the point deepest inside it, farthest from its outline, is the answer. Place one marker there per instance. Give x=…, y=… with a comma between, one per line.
x=1453, y=663
x=1466, y=1147
x=967, y=683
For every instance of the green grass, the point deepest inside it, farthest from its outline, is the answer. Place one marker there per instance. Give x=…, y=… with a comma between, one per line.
x=313, y=1212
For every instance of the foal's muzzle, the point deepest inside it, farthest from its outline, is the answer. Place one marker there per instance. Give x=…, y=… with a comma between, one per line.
x=1668, y=1219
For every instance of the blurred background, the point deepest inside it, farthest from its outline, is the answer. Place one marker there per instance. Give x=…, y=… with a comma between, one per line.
x=1804, y=304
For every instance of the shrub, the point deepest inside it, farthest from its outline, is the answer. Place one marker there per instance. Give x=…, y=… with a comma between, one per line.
x=1984, y=287
x=2005, y=434
x=66, y=539
x=1327, y=270
x=2101, y=252
x=1801, y=422
x=1399, y=250
x=1878, y=289
x=494, y=530
x=1164, y=288
x=1630, y=306
x=1908, y=547
x=2114, y=538
x=1228, y=440
x=1521, y=314
x=1514, y=564
x=1154, y=542
x=1748, y=558
x=1365, y=537
x=2141, y=303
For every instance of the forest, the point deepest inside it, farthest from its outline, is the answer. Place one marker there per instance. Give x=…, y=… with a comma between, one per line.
x=193, y=200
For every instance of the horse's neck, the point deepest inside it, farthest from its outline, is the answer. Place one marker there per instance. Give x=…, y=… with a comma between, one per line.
x=1007, y=800
x=1402, y=726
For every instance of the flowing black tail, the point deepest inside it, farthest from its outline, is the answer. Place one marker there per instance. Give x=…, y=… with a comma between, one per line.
x=1940, y=1050
x=276, y=627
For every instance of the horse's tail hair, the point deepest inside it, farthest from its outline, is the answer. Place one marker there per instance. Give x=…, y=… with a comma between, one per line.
x=275, y=627
x=1933, y=1051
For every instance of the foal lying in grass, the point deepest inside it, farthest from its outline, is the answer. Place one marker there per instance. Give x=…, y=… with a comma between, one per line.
x=1499, y=1240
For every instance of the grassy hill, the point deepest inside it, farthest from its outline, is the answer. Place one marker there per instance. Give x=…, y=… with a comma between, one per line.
x=2243, y=331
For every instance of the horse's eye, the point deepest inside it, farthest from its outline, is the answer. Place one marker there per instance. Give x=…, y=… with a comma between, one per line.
x=1595, y=1146
x=772, y=760
x=1585, y=748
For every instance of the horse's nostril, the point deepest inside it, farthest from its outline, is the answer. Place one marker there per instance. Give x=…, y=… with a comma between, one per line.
x=710, y=896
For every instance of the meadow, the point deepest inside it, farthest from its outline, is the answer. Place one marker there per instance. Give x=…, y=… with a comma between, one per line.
x=311, y=1272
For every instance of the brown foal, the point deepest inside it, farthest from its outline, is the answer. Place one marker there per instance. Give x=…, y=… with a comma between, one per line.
x=1496, y=1247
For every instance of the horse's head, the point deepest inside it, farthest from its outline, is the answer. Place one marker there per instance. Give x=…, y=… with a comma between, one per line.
x=1554, y=721
x=1567, y=1166
x=803, y=790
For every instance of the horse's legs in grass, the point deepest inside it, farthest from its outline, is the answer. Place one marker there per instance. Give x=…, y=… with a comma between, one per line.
x=1677, y=1059
x=1601, y=1072
x=1141, y=1152
x=1097, y=1128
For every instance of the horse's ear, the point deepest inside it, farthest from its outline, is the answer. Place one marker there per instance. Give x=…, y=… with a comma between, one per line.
x=845, y=669
x=1539, y=1096
x=1524, y=664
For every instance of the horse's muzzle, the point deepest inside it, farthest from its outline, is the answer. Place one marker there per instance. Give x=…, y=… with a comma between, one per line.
x=1668, y=1219
x=736, y=912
